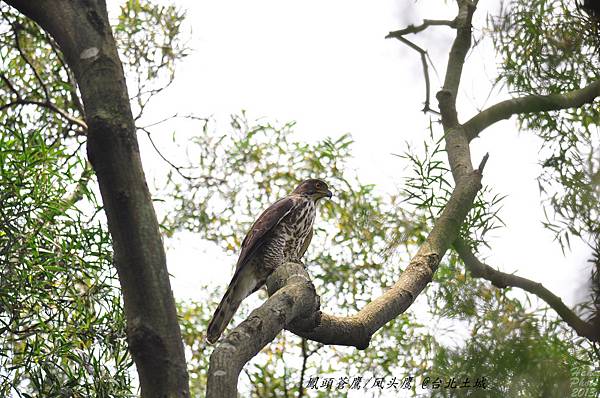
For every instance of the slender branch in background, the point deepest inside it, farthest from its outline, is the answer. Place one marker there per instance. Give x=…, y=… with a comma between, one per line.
x=163, y=157
x=48, y=105
x=9, y=85
x=15, y=30
x=285, y=384
x=502, y=280
x=418, y=28
x=178, y=169
x=72, y=82
x=423, y=54
x=161, y=121
x=306, y=353
x=529, y=104
x=303, y=368
x=143, y=98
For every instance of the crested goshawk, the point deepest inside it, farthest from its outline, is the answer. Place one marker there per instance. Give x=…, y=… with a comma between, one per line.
x=281, y=233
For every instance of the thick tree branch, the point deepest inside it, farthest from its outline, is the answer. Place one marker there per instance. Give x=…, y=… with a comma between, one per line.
x=529, y=104
x=503, y=280
x=295, y=300
x=460, y=47
x=83, y=32
x=457, y=144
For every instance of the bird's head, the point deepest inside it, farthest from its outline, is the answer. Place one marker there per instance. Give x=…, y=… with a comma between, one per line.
x=313, y=188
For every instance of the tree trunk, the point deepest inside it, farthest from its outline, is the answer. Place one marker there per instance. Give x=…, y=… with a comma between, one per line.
x=82, y=30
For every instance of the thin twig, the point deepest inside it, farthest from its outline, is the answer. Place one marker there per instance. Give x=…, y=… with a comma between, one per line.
x=161, y=121
x=72, y=82
x=163, y=157
x=9, y=84
x=303, y=369
x=47, y=105
x=424, y=56
x=28, y=62
x=418, y=28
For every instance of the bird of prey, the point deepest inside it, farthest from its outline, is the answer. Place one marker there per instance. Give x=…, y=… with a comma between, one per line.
x=281, y=234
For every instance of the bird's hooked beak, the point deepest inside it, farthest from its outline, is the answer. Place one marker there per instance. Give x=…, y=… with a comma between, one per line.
x=327, y=193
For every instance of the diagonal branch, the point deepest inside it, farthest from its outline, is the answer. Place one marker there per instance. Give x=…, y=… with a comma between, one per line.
x=529, y=104
x=502, y=280
x=423, y=53
x=9, y=85
x=48, y=105
x=34, y=70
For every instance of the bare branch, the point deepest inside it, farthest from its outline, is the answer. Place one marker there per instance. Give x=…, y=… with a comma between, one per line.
x=9, y=85
x=457, y=144
x=503, y=280
x=72, y=82
x=529, y=104
x=418, y=28
x=423, y=53
x=28, y=62
x=48, y=105
x=483, y=162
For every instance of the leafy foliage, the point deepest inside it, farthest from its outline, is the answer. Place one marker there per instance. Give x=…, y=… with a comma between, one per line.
x=60, y=312
x=150, y=40
x=427, y=188
x=62, y=325
x=240, y=171
x=550, y=46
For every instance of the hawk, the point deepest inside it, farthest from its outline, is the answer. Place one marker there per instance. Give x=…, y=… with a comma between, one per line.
x=281, y=234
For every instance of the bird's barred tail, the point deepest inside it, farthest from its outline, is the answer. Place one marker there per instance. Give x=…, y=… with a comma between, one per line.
x=239, y=288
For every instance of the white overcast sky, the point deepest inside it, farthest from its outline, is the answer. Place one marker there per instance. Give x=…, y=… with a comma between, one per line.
x=326, y=65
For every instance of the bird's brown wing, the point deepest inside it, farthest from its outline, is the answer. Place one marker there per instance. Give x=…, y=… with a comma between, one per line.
x=244, y=280
x=259, y=232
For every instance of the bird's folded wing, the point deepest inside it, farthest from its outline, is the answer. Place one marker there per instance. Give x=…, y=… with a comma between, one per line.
x=260, y=230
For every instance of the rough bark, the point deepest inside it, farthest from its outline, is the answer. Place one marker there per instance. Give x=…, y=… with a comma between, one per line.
x=293, y=297
x=82, y=30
